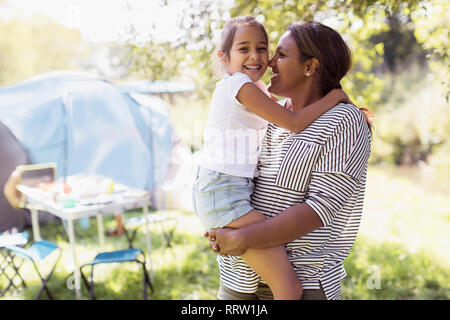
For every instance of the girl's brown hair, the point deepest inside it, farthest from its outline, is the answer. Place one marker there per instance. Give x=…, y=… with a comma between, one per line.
x=315, y=40
x=228, y=32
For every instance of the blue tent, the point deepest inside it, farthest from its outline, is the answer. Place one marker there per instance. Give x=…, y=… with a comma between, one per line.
x=88, y=125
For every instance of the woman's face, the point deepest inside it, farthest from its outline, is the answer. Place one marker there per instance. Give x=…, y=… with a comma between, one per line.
x=287, y=68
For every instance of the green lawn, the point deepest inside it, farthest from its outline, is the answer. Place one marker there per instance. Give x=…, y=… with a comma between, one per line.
x=404, y=234
x=401, y=251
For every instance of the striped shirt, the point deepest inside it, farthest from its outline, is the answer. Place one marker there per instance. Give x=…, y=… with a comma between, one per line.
x=325, y=167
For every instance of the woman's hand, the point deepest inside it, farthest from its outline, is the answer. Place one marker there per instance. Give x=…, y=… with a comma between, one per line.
x=226, y=241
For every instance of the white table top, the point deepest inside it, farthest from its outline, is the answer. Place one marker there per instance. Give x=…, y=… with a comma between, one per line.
x=123, y=198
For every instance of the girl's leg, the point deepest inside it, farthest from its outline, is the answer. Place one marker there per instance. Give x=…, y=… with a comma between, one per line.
x=272, y=264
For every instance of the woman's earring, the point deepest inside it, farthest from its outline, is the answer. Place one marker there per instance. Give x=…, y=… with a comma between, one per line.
x=307, y=74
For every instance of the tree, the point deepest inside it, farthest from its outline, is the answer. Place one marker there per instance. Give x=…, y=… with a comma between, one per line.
x=188, y=55
x=401, y=49
x=38, y=45
x=431, y=30
x=154, y=61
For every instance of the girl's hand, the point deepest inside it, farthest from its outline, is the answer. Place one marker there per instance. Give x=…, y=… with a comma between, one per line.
x=225, y=241
x=341, y=96
x=211, y=241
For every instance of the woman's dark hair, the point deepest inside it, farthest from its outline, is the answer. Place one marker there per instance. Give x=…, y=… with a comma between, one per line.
x=228, y=32
x=315, y=40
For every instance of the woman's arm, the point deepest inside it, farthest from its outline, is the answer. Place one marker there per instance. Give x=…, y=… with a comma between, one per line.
x=294, y=222
x=259, y=103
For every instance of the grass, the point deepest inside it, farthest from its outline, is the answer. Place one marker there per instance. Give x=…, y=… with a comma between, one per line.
x=402, y=275
x=401, y=251
x=403, y=235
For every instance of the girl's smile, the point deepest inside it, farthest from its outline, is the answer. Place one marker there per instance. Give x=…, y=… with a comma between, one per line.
x=249, y=53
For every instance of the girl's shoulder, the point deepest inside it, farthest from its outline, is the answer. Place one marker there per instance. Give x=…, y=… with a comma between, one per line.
x=235, y=78
x=231, y=84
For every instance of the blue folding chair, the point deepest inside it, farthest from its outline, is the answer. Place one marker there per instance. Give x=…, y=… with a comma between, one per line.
x=132, y=225
x=6, y=260
x=120, y=256
x=36, y=253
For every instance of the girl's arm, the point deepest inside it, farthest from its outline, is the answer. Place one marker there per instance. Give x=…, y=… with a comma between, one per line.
x=259, y=103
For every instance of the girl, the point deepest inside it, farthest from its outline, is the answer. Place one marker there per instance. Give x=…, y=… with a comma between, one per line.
x=236, y=124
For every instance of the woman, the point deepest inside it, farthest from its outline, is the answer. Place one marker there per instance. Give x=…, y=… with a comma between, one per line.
x=310, y=184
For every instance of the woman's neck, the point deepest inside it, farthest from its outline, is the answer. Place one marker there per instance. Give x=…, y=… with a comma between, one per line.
x=304, y=97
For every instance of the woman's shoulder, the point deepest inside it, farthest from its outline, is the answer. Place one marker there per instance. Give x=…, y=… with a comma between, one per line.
x=343, y=116
x=345, y=112
x=347, y=119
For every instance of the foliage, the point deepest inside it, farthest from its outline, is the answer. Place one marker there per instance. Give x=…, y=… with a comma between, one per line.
x=401, y=49
x=186, y=57
x=155, y=61
x=410, y=128
x=35, y=46
x=432, y=28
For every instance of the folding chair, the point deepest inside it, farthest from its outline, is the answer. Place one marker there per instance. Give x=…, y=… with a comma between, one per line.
x=120, y=256
x=137, y=222
x=6, y=260
x=36, y=253
x=30, y=175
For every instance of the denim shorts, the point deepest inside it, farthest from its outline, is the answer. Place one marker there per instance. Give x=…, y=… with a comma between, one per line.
x=219, y=198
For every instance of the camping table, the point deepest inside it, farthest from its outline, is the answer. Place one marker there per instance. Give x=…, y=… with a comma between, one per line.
x=119, y=202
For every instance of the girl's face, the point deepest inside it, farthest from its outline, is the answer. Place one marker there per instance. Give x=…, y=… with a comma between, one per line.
x=249, y=53
x=288, y=70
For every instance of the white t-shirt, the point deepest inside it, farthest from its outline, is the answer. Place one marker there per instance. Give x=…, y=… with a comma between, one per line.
x=233, y=135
